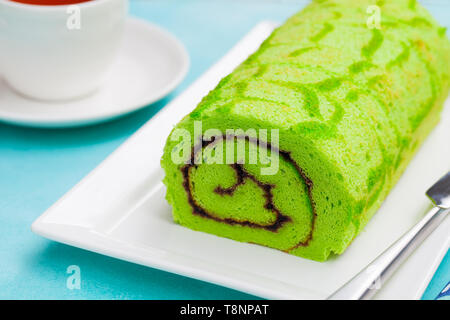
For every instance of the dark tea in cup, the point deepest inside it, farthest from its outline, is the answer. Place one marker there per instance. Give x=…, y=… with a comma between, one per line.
x=50, y=2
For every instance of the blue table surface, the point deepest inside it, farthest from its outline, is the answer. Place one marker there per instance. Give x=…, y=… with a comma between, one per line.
x=38, y=166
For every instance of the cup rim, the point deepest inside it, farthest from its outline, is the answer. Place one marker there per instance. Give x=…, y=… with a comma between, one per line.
x=37, y=7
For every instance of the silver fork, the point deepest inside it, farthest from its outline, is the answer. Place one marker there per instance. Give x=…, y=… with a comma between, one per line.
x=364, y=285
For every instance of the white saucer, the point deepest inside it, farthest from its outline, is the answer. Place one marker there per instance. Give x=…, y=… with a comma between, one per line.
x=150, y=64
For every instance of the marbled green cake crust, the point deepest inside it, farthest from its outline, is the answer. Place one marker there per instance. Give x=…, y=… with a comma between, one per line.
x=352, y=105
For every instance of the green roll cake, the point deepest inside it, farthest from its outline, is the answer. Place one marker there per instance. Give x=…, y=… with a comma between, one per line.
x=331, y=107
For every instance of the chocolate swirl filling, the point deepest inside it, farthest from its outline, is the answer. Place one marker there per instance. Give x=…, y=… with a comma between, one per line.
x=241, y=176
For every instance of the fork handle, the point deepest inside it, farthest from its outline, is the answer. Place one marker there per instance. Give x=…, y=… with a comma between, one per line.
x=365, y=284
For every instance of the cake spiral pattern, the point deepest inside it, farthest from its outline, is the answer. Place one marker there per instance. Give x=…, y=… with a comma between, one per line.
x=241, y=175
x=351, y=103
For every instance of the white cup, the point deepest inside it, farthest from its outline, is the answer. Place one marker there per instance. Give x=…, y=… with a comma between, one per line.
x=59, y=52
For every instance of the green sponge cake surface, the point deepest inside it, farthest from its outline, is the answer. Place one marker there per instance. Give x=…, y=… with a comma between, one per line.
x=343, y=105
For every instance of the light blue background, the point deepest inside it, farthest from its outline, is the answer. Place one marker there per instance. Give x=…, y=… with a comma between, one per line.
x=39, y=166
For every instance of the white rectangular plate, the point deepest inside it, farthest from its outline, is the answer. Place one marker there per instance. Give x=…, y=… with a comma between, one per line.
x=119, y=210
